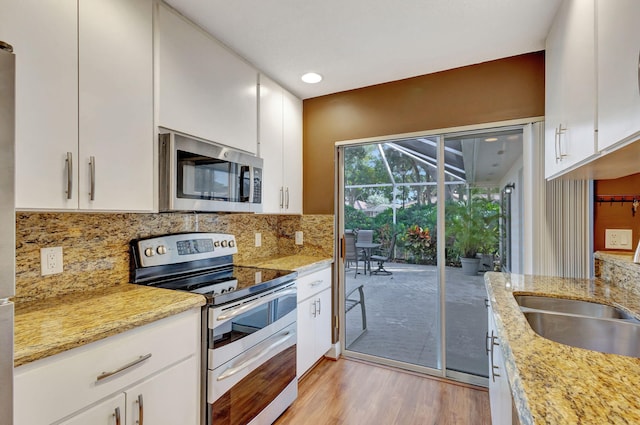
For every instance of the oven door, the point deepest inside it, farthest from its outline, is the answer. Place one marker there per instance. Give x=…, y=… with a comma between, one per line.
x=236, y=327
x=256, y=386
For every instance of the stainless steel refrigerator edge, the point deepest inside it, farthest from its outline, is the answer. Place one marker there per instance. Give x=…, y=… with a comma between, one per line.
x=7, y=229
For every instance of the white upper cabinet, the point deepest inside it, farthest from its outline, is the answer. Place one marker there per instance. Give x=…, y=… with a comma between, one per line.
x=84, y=88
x=205, y=90
x=115, y=51
x=44, y=38
x=292, y=152
x=570, y=94
x=618, y=71
x=280, y=125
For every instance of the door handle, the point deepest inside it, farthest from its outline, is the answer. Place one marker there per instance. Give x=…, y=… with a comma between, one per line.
x=140, y=420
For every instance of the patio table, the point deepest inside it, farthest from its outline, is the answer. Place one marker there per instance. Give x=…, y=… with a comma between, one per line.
x=367, y=247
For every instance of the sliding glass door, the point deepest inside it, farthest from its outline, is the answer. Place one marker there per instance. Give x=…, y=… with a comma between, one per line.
x=410, y=211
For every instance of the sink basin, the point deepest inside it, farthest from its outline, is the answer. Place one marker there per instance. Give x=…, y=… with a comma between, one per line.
x=604, y=335
x=565, y=305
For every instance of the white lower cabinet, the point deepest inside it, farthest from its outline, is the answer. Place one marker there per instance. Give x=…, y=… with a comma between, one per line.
x=108, y=412
x=153, y=378
x=499, y=389
x=314, y=318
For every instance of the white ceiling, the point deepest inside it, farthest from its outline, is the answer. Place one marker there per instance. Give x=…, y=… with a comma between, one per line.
x=357, y=43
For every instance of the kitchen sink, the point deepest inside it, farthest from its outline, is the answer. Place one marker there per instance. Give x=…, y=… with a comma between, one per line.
x=569, y=306
x=604, y=335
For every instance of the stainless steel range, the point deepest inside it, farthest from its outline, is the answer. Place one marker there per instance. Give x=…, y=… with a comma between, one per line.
x=248, y=324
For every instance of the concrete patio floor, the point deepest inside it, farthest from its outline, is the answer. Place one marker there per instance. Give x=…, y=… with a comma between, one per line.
x=402, y=317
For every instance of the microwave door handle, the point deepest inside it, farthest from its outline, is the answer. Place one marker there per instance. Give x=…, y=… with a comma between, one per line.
x=248, y=306
x=243, y=171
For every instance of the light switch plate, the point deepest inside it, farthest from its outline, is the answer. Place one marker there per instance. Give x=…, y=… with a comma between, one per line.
x=258, y=239
x=298, y=238
x=618, y=239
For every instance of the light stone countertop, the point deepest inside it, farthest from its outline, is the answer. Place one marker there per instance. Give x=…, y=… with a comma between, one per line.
x=53, y=325
x=303, y=264
x=554, y=383
x=50, y=326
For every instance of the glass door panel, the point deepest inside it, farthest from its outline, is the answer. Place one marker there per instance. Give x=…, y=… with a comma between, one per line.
x=389, y=223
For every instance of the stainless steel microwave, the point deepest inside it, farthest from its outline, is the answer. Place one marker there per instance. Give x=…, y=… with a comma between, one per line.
x=196, y=175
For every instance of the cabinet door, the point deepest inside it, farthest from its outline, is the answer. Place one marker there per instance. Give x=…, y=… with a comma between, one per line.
x=116, y=104
x=570, y=87
x=270, y=122
x=323, y=323
x=305, y=350
x=169, y=398
x=44, y=37
x=499, y=389
x=618, y=71
x=205, y=90
x=108, y=412
x=292, y=150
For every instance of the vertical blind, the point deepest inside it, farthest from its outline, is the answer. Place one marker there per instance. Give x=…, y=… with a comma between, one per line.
x=564, y=237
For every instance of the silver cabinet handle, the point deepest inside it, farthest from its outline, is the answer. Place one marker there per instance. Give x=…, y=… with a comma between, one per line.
x=316, y=283
x=140, y=420
x=116, y=413
x=559, y=132
x=69, y=165
x=638, y=71
x=314, y=309
x=140, y=359
x=92, y=168
x=486, y=344
x=319, y=306
x=281, y=197
x=287, y=198
x=494, y=375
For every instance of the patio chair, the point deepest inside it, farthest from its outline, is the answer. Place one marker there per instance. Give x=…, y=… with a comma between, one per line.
x=384, y=257
x=351, y=253
x=351, y=302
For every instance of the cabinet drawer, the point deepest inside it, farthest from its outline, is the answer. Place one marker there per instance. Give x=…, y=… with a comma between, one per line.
x=52, y=388
x=313, y=283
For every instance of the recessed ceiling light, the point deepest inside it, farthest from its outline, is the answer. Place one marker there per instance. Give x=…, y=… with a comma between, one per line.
x=311, y=78
x=491, y=139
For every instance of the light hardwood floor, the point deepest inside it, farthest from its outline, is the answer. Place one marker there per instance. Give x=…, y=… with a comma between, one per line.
x=353, y=392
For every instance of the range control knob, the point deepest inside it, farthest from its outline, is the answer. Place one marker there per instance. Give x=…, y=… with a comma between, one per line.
x=161, y=250
x=149, y=252
x=223, y=244
x=232, y=243
x=216, y=244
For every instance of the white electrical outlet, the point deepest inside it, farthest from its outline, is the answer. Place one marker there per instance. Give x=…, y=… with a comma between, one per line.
x=258, y=239
x=51, y=260
x=298, y=238
x=618, y=239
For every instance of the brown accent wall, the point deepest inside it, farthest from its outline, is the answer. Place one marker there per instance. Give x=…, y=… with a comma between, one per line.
x=499, y=90
x=616, y=215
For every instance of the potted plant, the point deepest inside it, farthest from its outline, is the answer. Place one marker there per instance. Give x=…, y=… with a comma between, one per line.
x=469, y=231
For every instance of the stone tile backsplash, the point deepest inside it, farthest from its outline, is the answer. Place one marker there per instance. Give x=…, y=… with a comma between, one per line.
x=96, y=245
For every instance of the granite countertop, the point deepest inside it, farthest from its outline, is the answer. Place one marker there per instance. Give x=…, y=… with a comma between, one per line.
x=554, y=383
x=303, y=264
x=47, y=327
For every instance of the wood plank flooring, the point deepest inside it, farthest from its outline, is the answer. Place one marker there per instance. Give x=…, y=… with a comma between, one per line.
x=353, y=392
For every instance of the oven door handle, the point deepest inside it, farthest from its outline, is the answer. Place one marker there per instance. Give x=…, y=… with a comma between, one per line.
x=248, y=306
x=253, y=358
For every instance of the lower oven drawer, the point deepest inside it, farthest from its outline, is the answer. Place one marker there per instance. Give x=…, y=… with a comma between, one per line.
x=264, y=368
